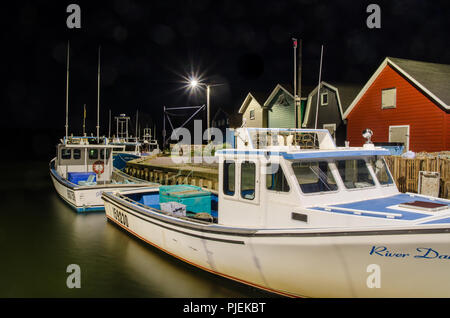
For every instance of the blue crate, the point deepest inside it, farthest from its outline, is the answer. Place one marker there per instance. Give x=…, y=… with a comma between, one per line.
x=195, y=198
x=76, y=177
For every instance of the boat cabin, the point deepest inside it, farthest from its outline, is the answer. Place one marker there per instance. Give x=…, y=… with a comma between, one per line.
x=276, y=176
x=83, y=159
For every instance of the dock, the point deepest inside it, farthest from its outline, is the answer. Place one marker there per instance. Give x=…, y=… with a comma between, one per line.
x=166, y=171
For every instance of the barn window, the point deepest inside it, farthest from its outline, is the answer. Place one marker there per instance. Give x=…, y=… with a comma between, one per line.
x=389, y=98
x=324, y=99
x=252, y=114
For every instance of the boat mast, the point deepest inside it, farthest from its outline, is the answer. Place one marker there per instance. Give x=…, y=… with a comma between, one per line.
x=137, y=131
x=84, y=120
x=67, y=92
x=98, y=97
x=318, y=87
x=109, y=126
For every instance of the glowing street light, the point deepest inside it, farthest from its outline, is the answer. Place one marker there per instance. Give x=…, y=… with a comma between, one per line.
x=194, y=83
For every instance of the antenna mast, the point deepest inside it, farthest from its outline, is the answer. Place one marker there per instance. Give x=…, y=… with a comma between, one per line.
x=84, y=120
x=137, y=128
x=67, y=91
x=98, y=97
x=109, y=126
x=318, y=88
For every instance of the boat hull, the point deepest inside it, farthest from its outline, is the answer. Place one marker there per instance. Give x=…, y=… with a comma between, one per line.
x=85, y=198
x=400, y=262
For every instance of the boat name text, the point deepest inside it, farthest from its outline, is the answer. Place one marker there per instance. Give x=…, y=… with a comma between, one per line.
x=420, y=252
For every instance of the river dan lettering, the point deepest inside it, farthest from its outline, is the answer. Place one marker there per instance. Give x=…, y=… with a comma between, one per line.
x=420, y=252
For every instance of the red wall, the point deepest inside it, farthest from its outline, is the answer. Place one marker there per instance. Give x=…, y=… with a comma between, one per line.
x=429, y=124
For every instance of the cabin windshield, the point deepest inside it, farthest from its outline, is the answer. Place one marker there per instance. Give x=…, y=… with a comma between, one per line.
x=130, y=148
x=314, y=176
x=317, y=176
x=354, y=173
x=381, y=170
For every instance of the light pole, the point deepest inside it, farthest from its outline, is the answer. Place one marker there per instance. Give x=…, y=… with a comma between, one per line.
x=194, y=83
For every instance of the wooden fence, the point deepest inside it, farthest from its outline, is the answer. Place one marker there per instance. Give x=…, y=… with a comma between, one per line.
x=406, y=171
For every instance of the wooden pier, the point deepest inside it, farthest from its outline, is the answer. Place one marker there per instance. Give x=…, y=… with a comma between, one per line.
x=166, y=171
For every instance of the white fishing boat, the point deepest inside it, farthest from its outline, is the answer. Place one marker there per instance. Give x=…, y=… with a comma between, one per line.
x=298, y=216
x=83, y=169
x=128, y=147
x=83, y=166
x=149, y=143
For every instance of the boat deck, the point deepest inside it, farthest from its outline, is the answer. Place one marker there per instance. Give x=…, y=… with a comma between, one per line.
x=394, y=207
x=151, y=200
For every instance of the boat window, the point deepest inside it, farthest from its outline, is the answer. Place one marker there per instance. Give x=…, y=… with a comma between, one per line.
x=275, y=179
x=354, y=173
x=130, y=148
x=117, y=149
x=93, y=153
x=381, y=170
x=76, y=153
x=314, y=176
x=248, y=174
x=102, y=154
x=66, y=153
x=229, y=172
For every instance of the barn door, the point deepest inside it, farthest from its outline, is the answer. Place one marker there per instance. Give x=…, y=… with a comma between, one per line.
x=400, y=134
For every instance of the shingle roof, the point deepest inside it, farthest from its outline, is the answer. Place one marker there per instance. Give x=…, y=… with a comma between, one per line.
x=434, y=77
x=347, y=93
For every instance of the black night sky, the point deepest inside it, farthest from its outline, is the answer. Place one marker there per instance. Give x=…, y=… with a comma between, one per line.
x=149, y=47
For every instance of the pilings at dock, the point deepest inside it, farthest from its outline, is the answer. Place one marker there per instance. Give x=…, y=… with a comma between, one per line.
x=161, y=170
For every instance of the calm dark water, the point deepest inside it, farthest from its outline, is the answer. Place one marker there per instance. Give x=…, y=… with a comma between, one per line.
x=40, y=236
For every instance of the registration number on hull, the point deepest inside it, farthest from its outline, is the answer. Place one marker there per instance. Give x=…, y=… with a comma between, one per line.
x=120, y=217
x=70, y=195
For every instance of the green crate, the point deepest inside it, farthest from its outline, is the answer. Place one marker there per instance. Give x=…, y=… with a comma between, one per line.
x=195, y=198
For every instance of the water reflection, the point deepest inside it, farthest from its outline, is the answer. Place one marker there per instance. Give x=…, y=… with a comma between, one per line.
x=40, y=236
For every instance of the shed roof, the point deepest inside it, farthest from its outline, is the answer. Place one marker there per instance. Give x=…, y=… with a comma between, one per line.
x=432, y=79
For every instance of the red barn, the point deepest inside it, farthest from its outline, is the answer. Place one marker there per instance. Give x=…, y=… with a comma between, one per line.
x=404, y=101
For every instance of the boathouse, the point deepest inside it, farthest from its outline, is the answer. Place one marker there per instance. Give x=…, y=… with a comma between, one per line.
x=404, y=101
x=280, y=107
x=252, y=110
x=334, y=99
